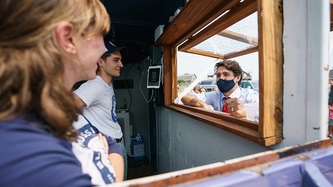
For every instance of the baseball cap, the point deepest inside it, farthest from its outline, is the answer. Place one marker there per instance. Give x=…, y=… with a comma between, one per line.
x=111, y=47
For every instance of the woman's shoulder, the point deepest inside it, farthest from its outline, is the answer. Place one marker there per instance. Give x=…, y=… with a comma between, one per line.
x=30, y=138
x=28, y=149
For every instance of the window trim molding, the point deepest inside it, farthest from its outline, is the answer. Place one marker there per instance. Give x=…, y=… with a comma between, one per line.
x=270, y=22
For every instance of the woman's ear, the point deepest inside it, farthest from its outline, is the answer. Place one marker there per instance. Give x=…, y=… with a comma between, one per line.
x=64, y=32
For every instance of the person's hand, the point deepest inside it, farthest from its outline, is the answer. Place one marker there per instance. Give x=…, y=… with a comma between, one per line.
x=104, y=142
x=236, y=107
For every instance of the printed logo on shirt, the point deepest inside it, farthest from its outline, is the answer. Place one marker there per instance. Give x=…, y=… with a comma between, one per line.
x=108, y=176
x=113, y=109
x=85, y=134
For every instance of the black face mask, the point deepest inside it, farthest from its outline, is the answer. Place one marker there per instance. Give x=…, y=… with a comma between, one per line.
x=225, y=85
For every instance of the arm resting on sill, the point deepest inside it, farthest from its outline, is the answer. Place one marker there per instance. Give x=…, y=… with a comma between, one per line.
x=192, y=100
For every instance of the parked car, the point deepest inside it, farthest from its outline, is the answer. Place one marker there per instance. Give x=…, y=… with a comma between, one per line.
x=250, y=84
x=208, y=84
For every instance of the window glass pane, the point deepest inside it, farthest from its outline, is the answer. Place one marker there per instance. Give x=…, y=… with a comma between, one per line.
x=238, y=37
x=192, y=70
x=196, y=70
x=250, y=65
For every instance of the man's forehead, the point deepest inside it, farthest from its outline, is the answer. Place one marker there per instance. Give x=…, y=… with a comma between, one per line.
x=222, y=69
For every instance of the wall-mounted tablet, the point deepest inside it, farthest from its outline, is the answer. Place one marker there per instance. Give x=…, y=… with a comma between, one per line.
x=154, y=76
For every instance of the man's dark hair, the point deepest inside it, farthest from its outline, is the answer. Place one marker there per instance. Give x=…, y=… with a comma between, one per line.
x=103, y=57
x=230, y=65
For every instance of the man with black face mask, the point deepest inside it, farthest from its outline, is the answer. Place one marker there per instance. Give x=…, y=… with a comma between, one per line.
x=229, y=97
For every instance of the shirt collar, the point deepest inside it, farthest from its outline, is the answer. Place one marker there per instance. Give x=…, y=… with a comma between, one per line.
x=235, y=94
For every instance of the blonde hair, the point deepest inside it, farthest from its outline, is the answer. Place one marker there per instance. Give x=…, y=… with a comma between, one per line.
x=31, y=69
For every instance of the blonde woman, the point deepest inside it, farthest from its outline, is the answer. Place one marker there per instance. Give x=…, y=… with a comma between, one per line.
x=45, y=47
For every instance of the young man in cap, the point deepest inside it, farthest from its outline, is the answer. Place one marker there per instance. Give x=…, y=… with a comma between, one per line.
x=97, y=100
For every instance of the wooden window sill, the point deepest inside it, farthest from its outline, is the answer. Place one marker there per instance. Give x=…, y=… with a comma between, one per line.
x=240, y=127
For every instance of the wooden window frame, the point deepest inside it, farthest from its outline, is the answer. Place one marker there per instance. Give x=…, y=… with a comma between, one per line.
x=194, y=16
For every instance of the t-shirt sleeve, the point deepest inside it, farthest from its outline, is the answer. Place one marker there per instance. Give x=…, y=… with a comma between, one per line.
x=89, y=92
x=114, y=147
